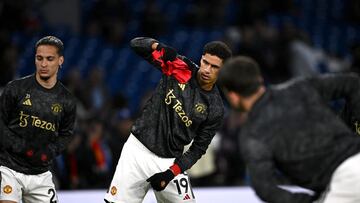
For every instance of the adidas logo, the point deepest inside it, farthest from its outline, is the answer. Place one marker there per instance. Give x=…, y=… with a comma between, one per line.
x=187, y=197
x=182, y=86
x=27, y=102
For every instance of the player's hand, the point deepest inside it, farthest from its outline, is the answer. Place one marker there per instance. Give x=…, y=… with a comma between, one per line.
x=159, y=181
x=169, y=52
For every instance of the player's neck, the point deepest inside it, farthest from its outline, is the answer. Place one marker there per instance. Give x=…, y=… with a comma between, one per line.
x=207, y=87
x=46, y=83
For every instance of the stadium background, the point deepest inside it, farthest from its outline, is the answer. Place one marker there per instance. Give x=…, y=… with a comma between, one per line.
x=289, y=38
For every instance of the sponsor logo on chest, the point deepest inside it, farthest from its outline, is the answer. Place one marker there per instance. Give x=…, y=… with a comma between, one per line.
x=171, y=99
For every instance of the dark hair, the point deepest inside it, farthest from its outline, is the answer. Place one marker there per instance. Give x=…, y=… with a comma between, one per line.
x=241, y=75
x=219, y=49
x=53, y=41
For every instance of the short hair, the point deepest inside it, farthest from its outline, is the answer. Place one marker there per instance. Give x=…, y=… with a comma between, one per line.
x=219, y=49
x=53, y=41
x=241, y=75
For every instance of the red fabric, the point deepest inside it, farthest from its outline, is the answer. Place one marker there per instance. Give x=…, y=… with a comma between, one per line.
x=175, y=169
x=99, y=154
x=177, y=68
x=30, y=152
x=43, y=157
x=73, y=166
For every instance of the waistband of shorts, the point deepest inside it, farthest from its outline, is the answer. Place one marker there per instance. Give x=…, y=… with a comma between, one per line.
x=135, y=142
x=17, y=172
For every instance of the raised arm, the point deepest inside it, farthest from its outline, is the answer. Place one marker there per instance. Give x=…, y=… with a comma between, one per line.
x=164, y=57
x=144, y=46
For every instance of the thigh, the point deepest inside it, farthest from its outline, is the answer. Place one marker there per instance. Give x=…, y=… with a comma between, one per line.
x=40, y=189
x=178, y=190
x=129, y=181
x=10, y=188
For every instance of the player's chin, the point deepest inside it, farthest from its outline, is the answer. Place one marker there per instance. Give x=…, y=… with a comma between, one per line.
x=44, y=76
x=206, y=80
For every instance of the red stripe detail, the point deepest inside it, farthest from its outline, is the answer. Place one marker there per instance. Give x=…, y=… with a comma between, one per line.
x=186, y=197
x=177, y=68
x=175, y=169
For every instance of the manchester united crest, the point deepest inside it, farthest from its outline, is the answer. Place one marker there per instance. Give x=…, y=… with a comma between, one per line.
x=7, y=189
x=200, y=108
x=56, y=108
x=113, y=190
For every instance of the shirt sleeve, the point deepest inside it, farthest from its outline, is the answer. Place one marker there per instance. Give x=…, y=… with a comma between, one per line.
x=200, y=143
x=342, y=86
x=142, y=47
x=66, y=129
x=263, y=176
x=9, y=139
x=177, y=68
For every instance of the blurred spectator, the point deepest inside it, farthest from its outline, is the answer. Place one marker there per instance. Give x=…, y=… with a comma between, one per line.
x=108, y=19
x=96, y=159
x=233, y=37
x=121, y=125
x=252, y=11
x=264, y=44
x=306, y=60
x=8, y=64
x=66, y=166
x=74, y=82
x=153, y=21
x=97, y=98
x=206, y=13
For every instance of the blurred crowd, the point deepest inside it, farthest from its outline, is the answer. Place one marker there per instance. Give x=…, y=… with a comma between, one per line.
x=104, y=119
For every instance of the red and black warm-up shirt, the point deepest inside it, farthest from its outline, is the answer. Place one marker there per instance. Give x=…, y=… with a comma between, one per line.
x=36, y=124
x=179, y=111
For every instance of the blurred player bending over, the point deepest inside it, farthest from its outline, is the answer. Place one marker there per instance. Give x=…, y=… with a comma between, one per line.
x=186, y=106
x=37, y=117
x=291, y=129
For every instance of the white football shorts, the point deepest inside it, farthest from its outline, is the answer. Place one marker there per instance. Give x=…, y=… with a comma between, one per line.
x=136, y=164
x=19, y=187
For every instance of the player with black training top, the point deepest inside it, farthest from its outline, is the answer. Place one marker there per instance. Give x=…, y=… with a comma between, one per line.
x=291, y=130
x=186, y=106
x=37, y=115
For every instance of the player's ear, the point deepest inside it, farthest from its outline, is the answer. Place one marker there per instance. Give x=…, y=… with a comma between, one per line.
x=233, y=98
x=61, y=60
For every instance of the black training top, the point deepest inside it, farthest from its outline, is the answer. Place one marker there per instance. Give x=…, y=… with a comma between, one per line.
x=36, y=124
x=292, y=130
x=179, y=111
